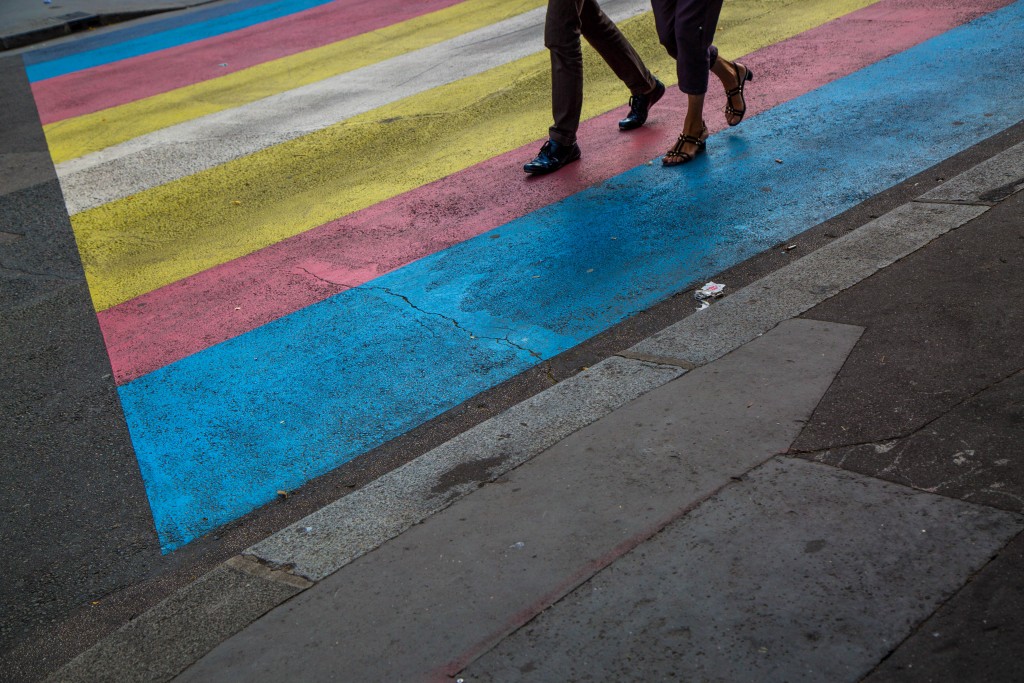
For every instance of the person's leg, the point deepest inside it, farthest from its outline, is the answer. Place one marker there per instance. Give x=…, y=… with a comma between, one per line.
x=562, y=38
x=694, y=23
x=606, y=38
x=665, y=25
x=733, y=75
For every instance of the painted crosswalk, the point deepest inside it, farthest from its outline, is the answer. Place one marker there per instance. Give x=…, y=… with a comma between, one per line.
x=287, y=283
x=234, y=79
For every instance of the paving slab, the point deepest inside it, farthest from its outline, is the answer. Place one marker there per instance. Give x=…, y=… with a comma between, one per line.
x=989, y=182
x=795, y=288
x=973, y=638
x=941, y=328
x=800, y=572
x=185, y=625
x=323, y=542
x=542, y=529
x=973, y=452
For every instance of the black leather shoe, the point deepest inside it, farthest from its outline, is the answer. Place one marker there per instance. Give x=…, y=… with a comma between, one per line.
x=640, y=106
x=552, y=157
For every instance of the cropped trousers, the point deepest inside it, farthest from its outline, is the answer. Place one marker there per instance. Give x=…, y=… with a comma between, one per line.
x=566, y=21
x=686, y=28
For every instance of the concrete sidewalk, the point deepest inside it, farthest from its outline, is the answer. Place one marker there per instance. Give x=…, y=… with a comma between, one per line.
x=818, y=478
x=28, y=22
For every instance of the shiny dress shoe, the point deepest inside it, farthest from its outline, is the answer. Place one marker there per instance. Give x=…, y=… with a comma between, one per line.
x=552, y=157
x=640, y=106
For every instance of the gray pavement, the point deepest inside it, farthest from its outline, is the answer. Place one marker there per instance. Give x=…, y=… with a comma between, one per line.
x=77, y=525
x=498, y=556
x=818, y=478
x=27, y=22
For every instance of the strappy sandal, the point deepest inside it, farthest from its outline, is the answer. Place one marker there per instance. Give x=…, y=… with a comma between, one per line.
x=748, y=75
x=676, y=155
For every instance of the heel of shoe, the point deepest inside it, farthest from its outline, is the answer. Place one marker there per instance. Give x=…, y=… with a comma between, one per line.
x=750, y=75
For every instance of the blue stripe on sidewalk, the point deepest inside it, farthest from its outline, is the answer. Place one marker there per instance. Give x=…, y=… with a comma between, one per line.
x=140, y=40
x=218, y=433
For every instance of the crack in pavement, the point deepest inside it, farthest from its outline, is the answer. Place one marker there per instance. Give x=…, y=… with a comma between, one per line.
x=991, y=491
x=891, y=439
x=412, y=305
x=897, y=445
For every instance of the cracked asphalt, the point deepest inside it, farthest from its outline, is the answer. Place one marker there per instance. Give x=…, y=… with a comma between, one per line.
x=453, y=321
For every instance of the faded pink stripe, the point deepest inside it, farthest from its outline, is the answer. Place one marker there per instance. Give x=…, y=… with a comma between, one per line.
x=185, y=317
x=110, y=85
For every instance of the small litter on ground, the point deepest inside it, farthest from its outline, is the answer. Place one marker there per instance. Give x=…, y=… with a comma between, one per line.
x=711, y=290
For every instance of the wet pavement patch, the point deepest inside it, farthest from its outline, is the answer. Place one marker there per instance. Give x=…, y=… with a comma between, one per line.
x=466, y=473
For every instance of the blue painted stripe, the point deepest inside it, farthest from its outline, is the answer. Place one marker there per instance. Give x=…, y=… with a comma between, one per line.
x=218, y=433
x=163, y=22
x=40, y=65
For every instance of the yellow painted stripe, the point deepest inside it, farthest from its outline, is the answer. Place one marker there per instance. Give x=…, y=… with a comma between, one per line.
x=81, y=135
x=156, y=237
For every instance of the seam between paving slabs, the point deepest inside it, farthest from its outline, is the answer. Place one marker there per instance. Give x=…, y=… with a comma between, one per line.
x=918, y=628
x=292, y=559
x=1015, y=519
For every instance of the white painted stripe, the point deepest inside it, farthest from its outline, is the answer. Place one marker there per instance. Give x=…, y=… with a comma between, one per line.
x=192, y=146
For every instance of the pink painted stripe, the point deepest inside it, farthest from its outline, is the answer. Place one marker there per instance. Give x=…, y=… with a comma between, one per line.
x=85, y=92
x=187, y=316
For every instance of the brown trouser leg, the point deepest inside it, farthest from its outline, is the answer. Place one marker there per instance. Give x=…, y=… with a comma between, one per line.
x=566, y=21
x=686, y=28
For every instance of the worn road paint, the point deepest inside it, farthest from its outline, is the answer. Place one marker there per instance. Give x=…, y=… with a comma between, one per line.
x=192, y=84
x=187, y=316
x=91, y=41
x=137, y=78
x=152, y=238
x=173, y=37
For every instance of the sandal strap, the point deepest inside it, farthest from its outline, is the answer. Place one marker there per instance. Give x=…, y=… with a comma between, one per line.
x=692, y=139
x=686, y=156
x=738, y=90
x=683, y=139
